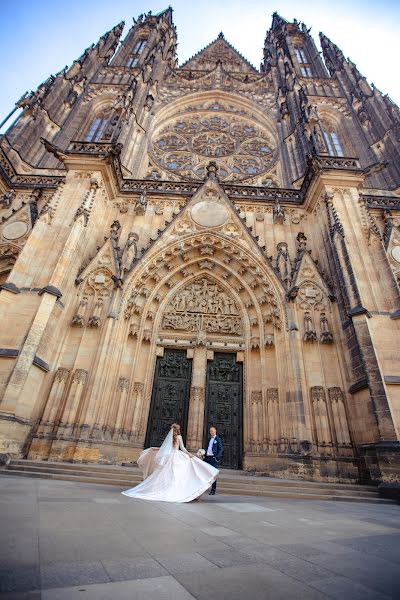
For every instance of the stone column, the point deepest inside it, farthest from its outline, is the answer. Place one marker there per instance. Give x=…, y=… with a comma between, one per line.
x=195, y=428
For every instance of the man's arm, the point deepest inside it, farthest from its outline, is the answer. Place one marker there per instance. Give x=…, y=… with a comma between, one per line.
x=220, y=449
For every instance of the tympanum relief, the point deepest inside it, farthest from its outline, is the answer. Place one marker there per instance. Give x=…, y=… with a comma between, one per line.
x=203, y=306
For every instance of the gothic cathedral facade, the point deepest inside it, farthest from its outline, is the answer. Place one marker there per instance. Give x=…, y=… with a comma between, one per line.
x=208, y=243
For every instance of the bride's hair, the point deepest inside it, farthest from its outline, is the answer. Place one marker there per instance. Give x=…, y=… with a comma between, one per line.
x=176, y=429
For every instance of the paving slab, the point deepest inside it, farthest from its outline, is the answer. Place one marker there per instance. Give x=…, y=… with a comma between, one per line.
x=161, y=588
x=68, y=540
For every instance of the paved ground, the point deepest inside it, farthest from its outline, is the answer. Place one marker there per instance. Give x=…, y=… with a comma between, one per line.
x=64, y=541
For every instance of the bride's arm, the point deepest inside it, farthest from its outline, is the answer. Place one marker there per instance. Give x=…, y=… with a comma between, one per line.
x=182, y=446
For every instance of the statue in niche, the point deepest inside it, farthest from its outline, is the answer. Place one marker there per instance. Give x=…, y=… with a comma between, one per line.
x=141, y=204
x=278, y=213
x=129, y=254
x=326, y=335
x=309, y=333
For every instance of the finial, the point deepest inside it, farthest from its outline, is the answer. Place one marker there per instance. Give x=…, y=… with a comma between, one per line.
x=221, y=36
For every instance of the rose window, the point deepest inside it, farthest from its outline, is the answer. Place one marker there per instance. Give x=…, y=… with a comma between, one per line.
x=242, y=148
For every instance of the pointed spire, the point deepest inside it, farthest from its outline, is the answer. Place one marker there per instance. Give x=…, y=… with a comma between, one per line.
x=333, y=56
x=278, y=21
x=109, y=41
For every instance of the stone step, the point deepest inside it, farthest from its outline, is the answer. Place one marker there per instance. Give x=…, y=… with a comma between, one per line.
x=293, y=493
x=225, y=475
x=237, y=483
x=53, y=468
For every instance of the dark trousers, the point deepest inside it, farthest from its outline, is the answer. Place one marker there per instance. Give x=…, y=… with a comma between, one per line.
x=212, y=461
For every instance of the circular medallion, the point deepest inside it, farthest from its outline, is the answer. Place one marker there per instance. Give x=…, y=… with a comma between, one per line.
x=209, y=213
x=396, y=253
x=14, y=231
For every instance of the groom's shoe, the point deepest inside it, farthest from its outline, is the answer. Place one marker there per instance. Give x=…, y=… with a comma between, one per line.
x=212, y=493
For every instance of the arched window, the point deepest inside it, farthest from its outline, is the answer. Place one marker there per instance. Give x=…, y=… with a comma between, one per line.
x=304, y=63
x=100, y=129
x=139, y=46
x=132, y=61
x=332, y=142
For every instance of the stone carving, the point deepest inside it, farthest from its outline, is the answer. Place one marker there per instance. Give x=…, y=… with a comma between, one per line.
x=256, y=397
x=283, y=263
x=326, y=335
x=141, y=204
x=309, y=333
x=61, y=374
x=123, y=383
x=278, y=213
x=7, y=198
x=240, y=147
x=203, y=305
x=129, y=254
x=80, y=376
x=310, y=295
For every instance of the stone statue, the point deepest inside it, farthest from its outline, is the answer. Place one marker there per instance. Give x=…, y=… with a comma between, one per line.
x=141, y=204
x=278, y=213
x=326, y=335
x=129, y=254
x=7, y=198
x=309, y=333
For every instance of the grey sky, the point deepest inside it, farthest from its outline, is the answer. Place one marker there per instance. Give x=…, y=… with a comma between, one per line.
x=39, y=37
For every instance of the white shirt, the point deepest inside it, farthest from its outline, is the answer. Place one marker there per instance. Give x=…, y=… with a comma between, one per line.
x=210, y=446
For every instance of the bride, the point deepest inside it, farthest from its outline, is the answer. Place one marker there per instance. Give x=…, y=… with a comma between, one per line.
x=170, y=475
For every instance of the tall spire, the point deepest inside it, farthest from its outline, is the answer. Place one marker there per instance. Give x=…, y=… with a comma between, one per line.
x=333, y=56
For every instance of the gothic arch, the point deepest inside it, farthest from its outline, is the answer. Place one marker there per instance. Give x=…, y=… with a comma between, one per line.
x=333, y=121
x=259, y=287
x=99, y=105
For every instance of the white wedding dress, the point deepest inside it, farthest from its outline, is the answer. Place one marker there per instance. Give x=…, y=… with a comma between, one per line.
x=171, y=474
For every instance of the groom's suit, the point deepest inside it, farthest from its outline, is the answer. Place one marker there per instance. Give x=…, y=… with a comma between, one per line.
x=217, y=449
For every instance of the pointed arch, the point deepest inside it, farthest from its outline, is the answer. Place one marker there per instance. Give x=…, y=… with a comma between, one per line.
x=257, y=288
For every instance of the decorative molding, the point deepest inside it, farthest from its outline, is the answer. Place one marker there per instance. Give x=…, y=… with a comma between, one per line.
x=10, y=287
x=362, y=384
x=8, y=353
x=392, y=379
x=50, y=289
x=39, y=362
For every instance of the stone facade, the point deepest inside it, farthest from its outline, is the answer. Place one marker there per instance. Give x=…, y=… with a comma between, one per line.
x=209, y=242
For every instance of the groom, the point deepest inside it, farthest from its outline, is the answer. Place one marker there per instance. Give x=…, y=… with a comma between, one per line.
x=214, y=453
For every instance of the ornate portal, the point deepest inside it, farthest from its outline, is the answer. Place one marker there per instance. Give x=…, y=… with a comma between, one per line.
x=203, y=306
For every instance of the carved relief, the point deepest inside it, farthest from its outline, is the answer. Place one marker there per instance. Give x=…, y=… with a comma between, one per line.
x=203, y=305
x=95, y=293
x=80, y=376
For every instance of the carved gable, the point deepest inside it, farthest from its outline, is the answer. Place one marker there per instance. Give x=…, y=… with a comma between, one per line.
x=313, y=292
x=219, y=51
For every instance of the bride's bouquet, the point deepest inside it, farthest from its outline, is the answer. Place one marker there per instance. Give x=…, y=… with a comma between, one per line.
x=201, y=453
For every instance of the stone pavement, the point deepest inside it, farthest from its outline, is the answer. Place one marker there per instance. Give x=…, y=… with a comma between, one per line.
x=64, y=541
